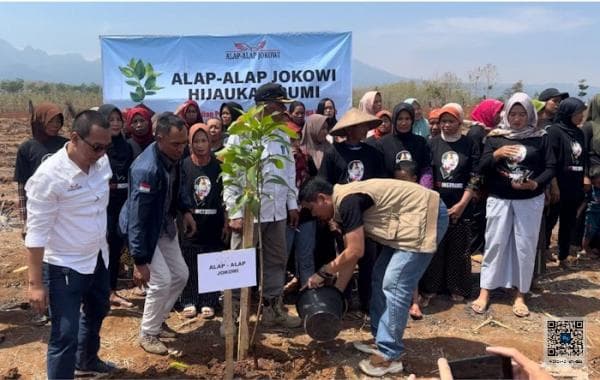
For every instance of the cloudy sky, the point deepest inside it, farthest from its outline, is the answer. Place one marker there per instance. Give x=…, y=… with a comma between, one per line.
x=536, y=42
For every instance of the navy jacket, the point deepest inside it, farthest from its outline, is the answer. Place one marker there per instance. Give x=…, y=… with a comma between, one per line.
x=143, y=213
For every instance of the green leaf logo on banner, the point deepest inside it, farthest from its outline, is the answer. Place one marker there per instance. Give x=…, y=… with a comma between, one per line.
x=142, y=77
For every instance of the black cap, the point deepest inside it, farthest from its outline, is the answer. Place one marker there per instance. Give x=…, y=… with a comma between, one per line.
x=271, y=92
x=550, y=93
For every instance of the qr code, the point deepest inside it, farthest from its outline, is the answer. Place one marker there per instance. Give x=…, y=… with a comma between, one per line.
x=565, y=341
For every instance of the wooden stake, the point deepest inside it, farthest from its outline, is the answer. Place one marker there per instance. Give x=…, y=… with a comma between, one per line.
x=247, y=242
x=228, y=321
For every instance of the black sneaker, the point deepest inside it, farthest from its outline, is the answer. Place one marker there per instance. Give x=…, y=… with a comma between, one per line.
x=97, y=368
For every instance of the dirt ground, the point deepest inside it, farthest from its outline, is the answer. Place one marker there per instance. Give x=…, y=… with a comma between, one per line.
x=448, y=329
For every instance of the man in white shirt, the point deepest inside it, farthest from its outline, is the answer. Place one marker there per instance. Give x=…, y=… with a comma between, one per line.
x=279, y=205
x=66, y=244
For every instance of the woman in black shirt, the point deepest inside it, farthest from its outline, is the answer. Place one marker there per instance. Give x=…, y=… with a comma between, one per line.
x=567, y=142
x=120, y=155
x=454, y=162
x=200, y=176
x=517, y=163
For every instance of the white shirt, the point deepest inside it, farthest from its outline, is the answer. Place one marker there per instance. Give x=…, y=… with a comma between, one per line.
x=277, y=198
x=66, y=212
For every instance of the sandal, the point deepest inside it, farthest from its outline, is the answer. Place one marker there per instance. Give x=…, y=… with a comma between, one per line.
x=425, y=299
x=457, y=298
x=479, y=307
x=207, y=312
x=190, y=311
x=520, y=310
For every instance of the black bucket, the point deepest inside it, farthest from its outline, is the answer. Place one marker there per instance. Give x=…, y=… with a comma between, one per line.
x=321, y=310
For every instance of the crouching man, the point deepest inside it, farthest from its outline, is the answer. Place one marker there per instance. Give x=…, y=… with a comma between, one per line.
x=409, y=221
x=148, y=219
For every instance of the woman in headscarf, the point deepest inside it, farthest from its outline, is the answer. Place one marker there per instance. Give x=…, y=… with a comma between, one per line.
x=486, y=116
x=371, y=103
x=517, y=163
x=46, y=122
x=190, y=113
x=434, y=122
x=120, y=156
x=567, y=143
x=138, y=125
x=214, y=127
x=402, y=144
x=326, y=107
x=229, y=112
x=420, y=125
x=296, y=113
x=314, y=138
x=455, y=160
x=200, y=177
x=385, y=128
x=591, y=132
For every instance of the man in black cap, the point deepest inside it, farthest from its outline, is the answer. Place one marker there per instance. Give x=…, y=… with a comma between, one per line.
x=279, y=205
x=552, y=97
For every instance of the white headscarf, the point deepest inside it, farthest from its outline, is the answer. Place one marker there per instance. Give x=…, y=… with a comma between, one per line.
x=530, y=130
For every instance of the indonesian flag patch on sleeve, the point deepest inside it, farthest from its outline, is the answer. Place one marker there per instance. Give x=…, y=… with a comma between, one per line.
x=144, y=187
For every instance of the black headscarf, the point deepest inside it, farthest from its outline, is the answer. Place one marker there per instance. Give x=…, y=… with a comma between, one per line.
x=107, y=109
x=396, y=113
x=566, y=109
x=235, y=109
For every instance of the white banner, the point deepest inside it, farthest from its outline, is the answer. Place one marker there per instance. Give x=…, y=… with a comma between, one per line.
x=163, y=72
x=226, y=270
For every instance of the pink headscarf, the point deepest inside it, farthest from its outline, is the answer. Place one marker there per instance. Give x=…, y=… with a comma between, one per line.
x=486, y=111
x=366, y=102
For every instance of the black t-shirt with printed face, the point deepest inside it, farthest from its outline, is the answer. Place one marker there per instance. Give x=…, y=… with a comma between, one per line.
x=343, y=163
x=32, y=153
x=535, y=161
x=208, y=210
x=453, y=165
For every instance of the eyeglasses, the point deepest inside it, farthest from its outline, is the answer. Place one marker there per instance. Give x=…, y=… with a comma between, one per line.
x=97, y=148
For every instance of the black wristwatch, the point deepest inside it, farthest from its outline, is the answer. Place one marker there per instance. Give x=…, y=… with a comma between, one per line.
x=328, y=277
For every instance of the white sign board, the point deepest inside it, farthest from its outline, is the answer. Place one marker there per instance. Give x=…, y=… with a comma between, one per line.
x=226, y=270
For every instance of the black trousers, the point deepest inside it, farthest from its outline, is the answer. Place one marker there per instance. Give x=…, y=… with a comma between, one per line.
x=567, y=212
x=116, y=243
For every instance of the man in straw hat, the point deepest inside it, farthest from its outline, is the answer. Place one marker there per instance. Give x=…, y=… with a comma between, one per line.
x=408, y=220
x=349, y=161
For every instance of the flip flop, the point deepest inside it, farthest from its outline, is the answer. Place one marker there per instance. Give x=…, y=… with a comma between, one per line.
x=479, y=308
x=121, y=302
x=520, y=310
x=207, y=312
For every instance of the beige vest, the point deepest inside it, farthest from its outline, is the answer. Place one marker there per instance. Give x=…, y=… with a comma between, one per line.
x=404, y=214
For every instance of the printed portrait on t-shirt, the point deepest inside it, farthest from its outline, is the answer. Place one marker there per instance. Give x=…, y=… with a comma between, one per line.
x=356, y=171
x=576, y=151
x=403, y=155
x=513, y=162
x=202, y=187
x=450, y=161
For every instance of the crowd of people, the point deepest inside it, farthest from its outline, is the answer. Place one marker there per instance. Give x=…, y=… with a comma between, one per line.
x=402, y=198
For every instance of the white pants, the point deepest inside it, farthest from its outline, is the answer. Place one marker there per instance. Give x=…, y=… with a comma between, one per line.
x=168, y=276
x=511, y=236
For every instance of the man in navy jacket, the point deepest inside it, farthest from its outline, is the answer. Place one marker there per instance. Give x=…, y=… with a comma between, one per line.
x=148, y=220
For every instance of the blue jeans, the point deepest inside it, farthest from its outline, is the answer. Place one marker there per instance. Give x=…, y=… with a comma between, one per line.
x=304, y=242
x=75, y=335
x=395, y=277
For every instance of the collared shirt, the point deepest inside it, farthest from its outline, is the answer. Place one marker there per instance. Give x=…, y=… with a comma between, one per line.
x=66, y=212
x=277, y=199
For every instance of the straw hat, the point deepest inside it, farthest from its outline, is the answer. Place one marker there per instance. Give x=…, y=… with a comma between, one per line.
x=354, y=118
